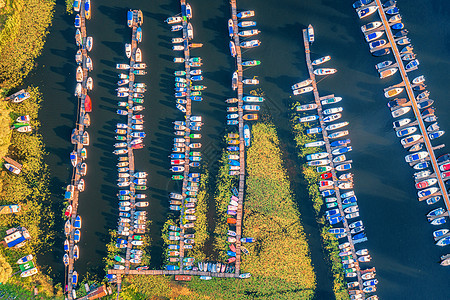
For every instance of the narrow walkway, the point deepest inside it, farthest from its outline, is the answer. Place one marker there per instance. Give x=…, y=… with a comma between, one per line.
x=240, y=93
x=318, y=99
x=79, y=146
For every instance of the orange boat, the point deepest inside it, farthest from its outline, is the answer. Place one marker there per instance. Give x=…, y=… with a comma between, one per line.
x=249, y=117
x=195, y=45
x=231, y=220
x=87, y=104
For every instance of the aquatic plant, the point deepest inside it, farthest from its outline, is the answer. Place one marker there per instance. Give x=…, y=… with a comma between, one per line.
x=329, y=242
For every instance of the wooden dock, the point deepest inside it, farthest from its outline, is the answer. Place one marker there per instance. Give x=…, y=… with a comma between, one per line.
x=131, y=166
x=318, y=99
x=78, y=147
x=409, y=91
x=240, y=93
x=187, y=131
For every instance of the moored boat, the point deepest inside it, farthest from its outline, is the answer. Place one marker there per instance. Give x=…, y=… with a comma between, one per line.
x=321, y=60
x=324, y=71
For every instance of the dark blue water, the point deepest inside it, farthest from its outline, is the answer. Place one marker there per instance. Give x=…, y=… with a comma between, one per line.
x=400, y=239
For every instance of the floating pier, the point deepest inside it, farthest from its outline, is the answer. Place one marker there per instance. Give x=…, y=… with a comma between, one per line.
x=240, y=94
x=76, y=177
x=329, y=149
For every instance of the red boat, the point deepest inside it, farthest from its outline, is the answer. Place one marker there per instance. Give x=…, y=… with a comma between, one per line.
x=326, y=175
x=137, y=146
x=68, y=211
x=445, y=174
x=87, y=104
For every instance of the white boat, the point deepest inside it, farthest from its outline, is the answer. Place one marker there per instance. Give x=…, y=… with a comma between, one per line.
x=336, y=125
x=308, y=118
x=370, y=26
x=388, y=72
x=301, y=84
x=310, y=34
x=416, y=156
x=315, y=144
x=303, y=90
x=333, y=110
x=400, y=112
x=324, y=71
x=362, y=13
x=410, y=139
x=321, y=60
x=373, y=36
x=306, y=107
x=393, y=92
x=128, y=50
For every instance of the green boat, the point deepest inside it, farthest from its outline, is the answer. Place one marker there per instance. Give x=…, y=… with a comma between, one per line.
x=121, y=138
x=18, y=125
x=177, y=177
x=140, y=187
x=196, y=93
x=195, y=153
x=138, y=100
x=198, y=87
x=251, y=63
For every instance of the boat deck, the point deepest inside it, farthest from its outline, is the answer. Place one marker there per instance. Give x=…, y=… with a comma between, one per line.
x=410, y=93
x=318, y=99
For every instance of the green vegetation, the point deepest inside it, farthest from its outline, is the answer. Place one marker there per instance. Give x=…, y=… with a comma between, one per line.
x=24, y=27
x=279, y=261
x=5, y=270
x=30, y=190
x=69, y=6
x=330, y=243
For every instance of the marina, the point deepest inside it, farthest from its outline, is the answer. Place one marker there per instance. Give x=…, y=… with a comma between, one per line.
x=337, y=189
x=420, y=160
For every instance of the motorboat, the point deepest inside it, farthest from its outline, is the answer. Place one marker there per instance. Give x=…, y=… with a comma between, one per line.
x=388, y=72
x=381, y=52
x=436, y=134
x=427, y=192
x=373, y=36
x=410, y=139
x=331, y=100
x=401, y=123
x=308, y=118
x=332, y=118
x=315, y=144
x=324, y=71
x=303, y=90
x=393, y=92
x=411, y=158
x=412, y=64
x=301, y=84
x=377, y=44
x=426, y=183
x=371, y=26
x=365, y=12
x=406, y=131
x=246, y=24
x=246, y=14
x=321, y=60
x=334, y=110
x=400, y=112
x=250, y=44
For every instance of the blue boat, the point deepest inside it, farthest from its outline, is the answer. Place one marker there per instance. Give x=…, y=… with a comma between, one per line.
x=340, y=143
x=349, y=200
x=195, y=158
x=172, y=268
x=197, y=78
x=398, y=26
x=122, y=112
x=359, y=236
x=381, y=52
x=139, y=34
x=341, y=150
x=438, y=221
x=231, y=253
x=77, y=21
x=421, y=165
x=77, y=223
x=392, y=11
x=122, y=241
x=360, y=3
x=130, y=18
x=66, y=246
x=328, y=193
x=194, y=175
x=332, y=212
x=313, y=130
x=230, y=27
x=233, y=148
x=177, y=155
x=124, y=192
x=412, y=64
x=335, y=220
x=76, y=236
x=233, y=162
x=246, y=135
x=74, y=277
x=336, y=230
x=232, y=122
x=247, y=240
x=196, y=98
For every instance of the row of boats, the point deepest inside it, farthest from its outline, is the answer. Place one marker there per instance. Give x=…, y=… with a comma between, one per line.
x=185, y=152
x=80, y=138
x=336, y=185
x=407, y=129
x=129, y=137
